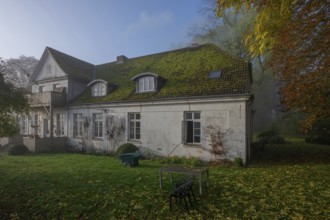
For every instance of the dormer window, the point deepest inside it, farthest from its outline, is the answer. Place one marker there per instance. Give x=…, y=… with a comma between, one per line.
x=99, y=87
x=146, y=82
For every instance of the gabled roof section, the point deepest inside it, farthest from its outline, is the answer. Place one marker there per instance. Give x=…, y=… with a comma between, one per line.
x=73, y=67
x=186, y=72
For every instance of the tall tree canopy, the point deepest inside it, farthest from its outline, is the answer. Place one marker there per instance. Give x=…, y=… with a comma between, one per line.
x=19, y=70
x=297, y=33
x=228, y=33
x=11, y=101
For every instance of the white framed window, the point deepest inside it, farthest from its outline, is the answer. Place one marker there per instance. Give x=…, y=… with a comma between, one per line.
x=134, y=124
x=56, y=86
x=41, y=89
x=49, y=68
x=97, y=125
x=146, y=84
x=37, y=124
x=192, y=128
x=60, y=124
x=24, y=124
x=78, y=125
x=99, y=89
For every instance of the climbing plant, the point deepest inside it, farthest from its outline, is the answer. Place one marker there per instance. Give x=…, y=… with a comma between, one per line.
x=217, y=143
x=87, y=144
x=115, y=130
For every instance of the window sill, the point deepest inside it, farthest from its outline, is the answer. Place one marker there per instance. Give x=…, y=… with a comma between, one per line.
x=134, y=141
x=141, y=92
x=97, y=139
x=192, y=145
x=98, y=96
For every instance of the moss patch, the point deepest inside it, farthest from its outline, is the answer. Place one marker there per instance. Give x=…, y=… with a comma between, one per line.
x=186, y=72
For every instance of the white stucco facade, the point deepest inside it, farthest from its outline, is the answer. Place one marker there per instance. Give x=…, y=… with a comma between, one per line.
x=162, y=129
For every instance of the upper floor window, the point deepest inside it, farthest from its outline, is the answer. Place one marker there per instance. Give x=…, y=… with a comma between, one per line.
x=99, y=89
x=146, y=82
x=41, y=89
x=49, y=68
x=56, y=86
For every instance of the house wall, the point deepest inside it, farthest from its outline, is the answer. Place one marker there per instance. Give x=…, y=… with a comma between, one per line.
x=73, y=88
x=51, y=74
x=49, y=85
x=161, y=126
x=50, y=70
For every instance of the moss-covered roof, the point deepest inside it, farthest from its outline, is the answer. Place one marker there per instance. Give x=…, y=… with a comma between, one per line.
x=186, y=73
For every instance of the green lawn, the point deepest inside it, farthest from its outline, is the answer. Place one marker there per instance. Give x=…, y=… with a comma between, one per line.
x=73, y=186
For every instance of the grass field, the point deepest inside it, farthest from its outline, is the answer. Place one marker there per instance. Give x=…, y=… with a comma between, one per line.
x=291, y=181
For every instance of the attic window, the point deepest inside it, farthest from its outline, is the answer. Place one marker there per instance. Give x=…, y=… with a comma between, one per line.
x=215, y=74
x=99, y=87
x=146, y=82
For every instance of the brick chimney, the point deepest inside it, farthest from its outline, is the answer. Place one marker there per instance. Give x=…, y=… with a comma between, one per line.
x=121, y=59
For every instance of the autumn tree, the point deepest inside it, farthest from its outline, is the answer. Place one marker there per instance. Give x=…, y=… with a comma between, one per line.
x=228, y=32
x=12, y=101
x=297, y=33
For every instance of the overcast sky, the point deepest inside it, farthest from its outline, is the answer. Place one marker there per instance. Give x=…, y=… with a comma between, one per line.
x=95, y=30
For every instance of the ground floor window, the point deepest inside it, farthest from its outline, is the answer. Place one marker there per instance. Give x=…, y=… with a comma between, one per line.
x=37, y=124
x=78, y=125
x=134, y=123
x=60, y=124
x=24, y=124
x=192, y=127
x=97, y=125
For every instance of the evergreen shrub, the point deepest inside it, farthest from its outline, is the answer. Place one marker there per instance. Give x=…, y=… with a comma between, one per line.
x=18, y=149
x=127, y=148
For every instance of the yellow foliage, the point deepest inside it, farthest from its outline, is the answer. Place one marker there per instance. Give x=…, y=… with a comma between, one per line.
x=272, y=15
x=295, y=32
